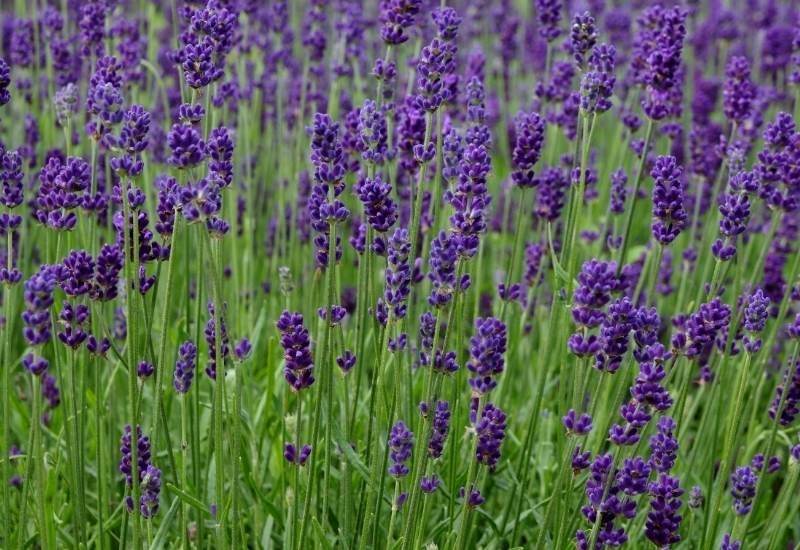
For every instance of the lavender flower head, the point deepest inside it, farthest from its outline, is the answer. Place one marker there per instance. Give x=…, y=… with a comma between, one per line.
x=296, y=343
x=401, y=443
x=530, y=128
x=185, y=367
x=669, y=215
x=490, y=430
x=487, y=347
x=738, y=92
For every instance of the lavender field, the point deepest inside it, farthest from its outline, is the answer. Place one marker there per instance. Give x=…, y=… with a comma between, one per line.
x=400, y=274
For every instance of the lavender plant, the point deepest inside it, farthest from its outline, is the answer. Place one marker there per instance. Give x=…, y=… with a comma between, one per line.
x=400, y=274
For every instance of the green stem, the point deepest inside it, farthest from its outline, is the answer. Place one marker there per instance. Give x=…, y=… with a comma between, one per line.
x=626, y=234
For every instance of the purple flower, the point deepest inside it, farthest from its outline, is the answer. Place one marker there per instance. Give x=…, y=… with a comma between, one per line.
x=632, y=477
x=548, y=13
x=436, y=61
x=443, y=258
x=327, y=156
x=379, y=209
x=397, y=16
x=669, y=215
x=791, y=401
x=187, y=147
x=107, y=268
x=211, y=334
x=486, y=349
x=299, y=364
x=656, y=59
x=92, y=27
x=73, y=321
x=401, y=443
x=447, y=22
x=38, y=300
x=529, y=130
x=729, y=544
x=219, y=149
x=663, y=519
x=373, y=133
x=738, y=92
x=490, y=430
x=597, y=84
x=583, y=36
x=735, y=211
x=185, y=366
x=755, y=319
x=145, y=369
x=293, y=457
x=346, y=361
x=664, y=446
x=5, y=82
x=439, y=429
x=397, y=276
x=615, y=332
x=596, y=282
x=743, y=489
x=577, y=424
x=242, y=349
x=429, y=484
x=470, y=199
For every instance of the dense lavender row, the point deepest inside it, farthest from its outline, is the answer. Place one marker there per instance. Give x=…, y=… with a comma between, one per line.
x=400, y=274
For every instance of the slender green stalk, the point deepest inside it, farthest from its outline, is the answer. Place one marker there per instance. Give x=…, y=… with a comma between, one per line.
x=626, y=234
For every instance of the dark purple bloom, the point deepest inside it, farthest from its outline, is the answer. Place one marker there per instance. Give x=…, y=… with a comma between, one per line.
x=470, y=200
x=5, y=82
x=219, y=149
x=664, y=446
x=401, y=443
x=397, y=275
x=440, y=427
x=145, y=369
x=615, y=332
x=397, y=16
x=791, y=401
x=92, y=27
x=379, y=209
x=577, y=424
x=487, y=347
x=755, y=319
x=211, y=334
x=373, y=133
x=187, y=147
x=738, y=92
x=583, y=36
x=529, y=130
x=185, y=367
x=436, y=61
x=447, y=22
x=632, y=477
x=743, y=489
x=597, y=84
x=38, y=300
x=299, y=364
x=663, y=519
x=74, y=320
x=596, y=282
x=729, y=544
x=346, y=361
x=548, y=13
x=490, y=431
x=669, y=215
x=429, y=484
x=443, y=258
x=293, y=457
